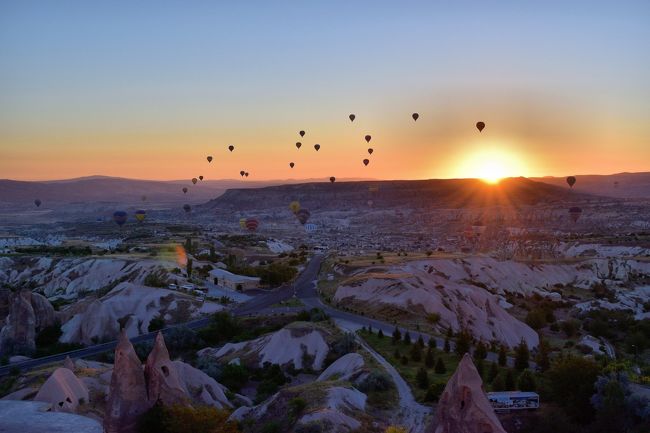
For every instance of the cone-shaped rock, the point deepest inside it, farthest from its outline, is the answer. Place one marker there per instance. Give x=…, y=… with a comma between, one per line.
x=163, y=383
x=69, y=363
x=463, y=405
x=127, y=395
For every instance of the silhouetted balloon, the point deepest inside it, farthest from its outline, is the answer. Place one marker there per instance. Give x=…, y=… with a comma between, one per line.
x=316, y=146
x=231, y=148
x=194, y=180
x=352, y=117
x=200, y=177
x=252, y=224
x=480, y=126
x=291, y=164
x=575, y=213
x=571, y=180
x=415, y=116
x=242, y=173
x=37, y=202
x=187, y=207
x=140, y=215
x=209, y=159
x=120, y=217
x=302, y=133
x=332, y=179
x=246, y=174
x=370, y=150
x=303, y=216
x=366, y=162
x=294, y=206
x=368, y=138
x=184, y=190
x=298, y=144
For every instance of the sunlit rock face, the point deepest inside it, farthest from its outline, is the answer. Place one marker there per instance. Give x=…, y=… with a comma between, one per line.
x=463, y=406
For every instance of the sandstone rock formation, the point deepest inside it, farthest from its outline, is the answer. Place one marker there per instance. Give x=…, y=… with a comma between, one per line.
x=200, y=387
x=163, y=383
x=63, y=390
x=127, y=397
x=69, y=363
x=345, y=368
x=28, y=313
x=463, y=406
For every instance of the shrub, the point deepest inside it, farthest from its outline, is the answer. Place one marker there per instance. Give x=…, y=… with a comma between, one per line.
x=185, y=419
x=422, y=378
x=375, y=381
x=157, y=323
x=440, y=366
x=434, y=391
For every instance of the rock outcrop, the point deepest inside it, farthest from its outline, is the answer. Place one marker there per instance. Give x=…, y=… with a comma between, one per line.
x=28, y=313
x=345, y=368
x=163, y=383
x=200, y=387
x=69, y=363
x=463, y=406
x=127, y=396
x=63, y=390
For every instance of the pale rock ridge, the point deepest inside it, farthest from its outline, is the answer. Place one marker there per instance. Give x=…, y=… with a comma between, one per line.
x=63, y=390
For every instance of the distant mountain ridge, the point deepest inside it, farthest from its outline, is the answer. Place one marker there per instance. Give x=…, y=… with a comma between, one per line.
x=451, y=193
x=620, y=185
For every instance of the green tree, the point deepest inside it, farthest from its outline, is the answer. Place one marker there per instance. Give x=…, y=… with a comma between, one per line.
x=189, y=268
x=440, y=366
x=420, y=342
x=416, y=352
x=521, y=356
x=510, y=380
x=156, y=323
x=570, y=381
x=503, y=356
x=432, y=343
x=480, y=352
x=493, y=372
x=463, y=342
x=429, y=360
x=397, y=336
x=407, y=337
x=526, y=381
x=542, y=358
x=380, y=334
x=422, y=378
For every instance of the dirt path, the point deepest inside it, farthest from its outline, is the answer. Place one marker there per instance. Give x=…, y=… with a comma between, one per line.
x=411, y=414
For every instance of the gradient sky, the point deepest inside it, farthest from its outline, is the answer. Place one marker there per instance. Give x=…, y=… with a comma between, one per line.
x=147, y=89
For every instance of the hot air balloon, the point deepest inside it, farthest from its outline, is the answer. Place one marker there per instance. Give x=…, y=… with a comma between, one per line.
x=200, y=177
x=246, y=174
x=242, y=173
x=415, y=116
x=368, y=138
x=231, y=148
x=187, y=208
x=302, y=133
x=370, y=150
x=480, y=126
x=298, y=144
x=332, y=179
x=575, y=213
x=303, y=215
x=184, y=190
x=37, y=202
x=352, y=117
x=209, y=159
x=252, y=224
x=291, y=164
x=366, y=162
x=242, y=223
x=571, y=180
x=140, y=215
x=316, y=146
x=120, y=217
x=194, y=180
x=294, y=206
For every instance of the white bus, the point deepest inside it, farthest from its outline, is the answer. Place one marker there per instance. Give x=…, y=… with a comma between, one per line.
x=513, y=400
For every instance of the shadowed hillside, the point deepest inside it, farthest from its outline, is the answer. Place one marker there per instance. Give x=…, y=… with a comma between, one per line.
x=621, y=185
x=453, y=193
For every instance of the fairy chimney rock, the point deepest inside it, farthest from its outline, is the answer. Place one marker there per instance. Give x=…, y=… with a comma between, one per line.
x=127, y=395
x=163, y=383
x=463, y=406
